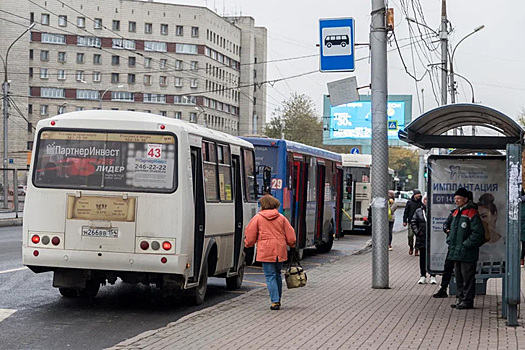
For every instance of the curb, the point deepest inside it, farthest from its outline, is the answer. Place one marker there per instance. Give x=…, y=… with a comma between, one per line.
x=11, y=222
x=128, y=342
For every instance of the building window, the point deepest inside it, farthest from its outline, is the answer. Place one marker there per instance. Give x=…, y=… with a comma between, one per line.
x=44, y=73
x=147, y=79
x=87, y=94
x=97, y=58
x=131, y=78
x=45, y=19
x=178, y=82
x=53, y=38
x=116, y=25
x=61, y=57
x=80, y=57
x=178, y=65
x=115, y=60
x=155, y=46
x=147, y=62
x=119, y=43
x=122, y=96
x=32, y=17
x=163, y=113
x=163, y=81
x=179, y=30
x=62, y=21
x=148, y=28
x=61, y=110
x=44, y=55
x=131, y=61
x=164, y=29
x=89, y=41
x=193, y=117
x=132, y=27
x=81, y=22
x=184, y=99
x=61, y=74
x=96, y=77
x=30, y=72
x=97, y=24
x=31, y=54
x=163, y=63
x=193, y=83
x=193, y=65
x=52, y=92
x=195, y=32
x=155, y=98
x=115, y=77
x=186, y=48
x=178, y=115
x=80, y=75
x=78, y=109
x=44, y=109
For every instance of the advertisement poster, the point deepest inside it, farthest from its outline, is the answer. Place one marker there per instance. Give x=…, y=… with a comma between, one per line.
x=486, y=177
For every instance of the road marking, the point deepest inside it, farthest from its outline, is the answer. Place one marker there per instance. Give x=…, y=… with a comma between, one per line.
x=13, y=270
x=253, y=282
x=5, y=313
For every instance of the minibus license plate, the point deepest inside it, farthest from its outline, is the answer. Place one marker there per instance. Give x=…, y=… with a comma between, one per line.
x=100, y=232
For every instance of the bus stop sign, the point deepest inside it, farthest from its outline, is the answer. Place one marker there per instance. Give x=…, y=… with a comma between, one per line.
x=336, y=40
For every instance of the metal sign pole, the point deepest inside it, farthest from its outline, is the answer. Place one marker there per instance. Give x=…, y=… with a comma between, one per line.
x=378, y=31
x=512, y=266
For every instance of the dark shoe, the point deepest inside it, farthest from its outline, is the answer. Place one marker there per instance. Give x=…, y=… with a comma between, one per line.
x=458, y=301
x=441, y=294
x=417, y=252
x=411, y=251
x=275, y=306
x=464, y=306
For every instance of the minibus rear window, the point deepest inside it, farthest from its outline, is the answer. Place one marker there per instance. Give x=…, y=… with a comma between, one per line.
x=106, y=161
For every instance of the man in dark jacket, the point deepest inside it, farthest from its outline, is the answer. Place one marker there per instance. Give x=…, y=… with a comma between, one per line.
x=412, y=205
x=466, y=235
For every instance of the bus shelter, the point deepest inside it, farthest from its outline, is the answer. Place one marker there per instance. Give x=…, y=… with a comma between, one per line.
x=489, y=165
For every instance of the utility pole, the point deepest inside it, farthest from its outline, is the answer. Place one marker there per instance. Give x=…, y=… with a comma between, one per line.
x=378, y=54
x=5, y=90
x=444, y=51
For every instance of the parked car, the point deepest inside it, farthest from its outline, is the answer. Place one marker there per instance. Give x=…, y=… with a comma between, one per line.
x=402, y=197
x=22, y=189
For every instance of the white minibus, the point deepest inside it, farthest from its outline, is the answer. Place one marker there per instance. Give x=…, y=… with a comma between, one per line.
x=140, y=197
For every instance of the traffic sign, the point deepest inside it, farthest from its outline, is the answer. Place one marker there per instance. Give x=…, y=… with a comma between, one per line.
x=354, y=150
x=392, y=125
x=336, y=38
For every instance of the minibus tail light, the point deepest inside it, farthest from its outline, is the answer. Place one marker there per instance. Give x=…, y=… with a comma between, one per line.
x=144, y=245
x=55, y=240
x=163, y=260
x=53, y=123
x=35, y=239
x=166, y=245
x=35, y=253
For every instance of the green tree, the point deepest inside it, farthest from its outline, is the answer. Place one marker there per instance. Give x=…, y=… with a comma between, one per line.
x=405, y=162
x=298, y=121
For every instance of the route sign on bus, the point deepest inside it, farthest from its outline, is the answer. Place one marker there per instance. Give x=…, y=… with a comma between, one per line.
x=336, y=40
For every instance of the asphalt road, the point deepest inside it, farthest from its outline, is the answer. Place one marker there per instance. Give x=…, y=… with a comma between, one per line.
x=33, y=315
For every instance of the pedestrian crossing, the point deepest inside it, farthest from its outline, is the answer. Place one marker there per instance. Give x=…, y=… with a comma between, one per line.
x=5, y=313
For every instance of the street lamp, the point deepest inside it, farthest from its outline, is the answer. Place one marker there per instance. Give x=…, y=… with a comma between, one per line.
x=5, y=88
x=100, y=95
x=452, y=81
x=202, y=110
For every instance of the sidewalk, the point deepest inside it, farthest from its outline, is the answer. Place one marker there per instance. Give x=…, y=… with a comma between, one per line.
x=10, y=219
x=339, y=309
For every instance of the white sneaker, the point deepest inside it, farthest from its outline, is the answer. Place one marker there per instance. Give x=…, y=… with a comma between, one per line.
x=433, y=280
x=422, y=280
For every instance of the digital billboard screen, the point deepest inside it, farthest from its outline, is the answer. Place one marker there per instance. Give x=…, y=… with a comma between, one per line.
x=354, y=120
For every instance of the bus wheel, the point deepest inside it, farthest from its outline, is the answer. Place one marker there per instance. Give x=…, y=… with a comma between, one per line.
x=235, y=282
x=326, y=247
x=91, y=290
x=199, y=293
x=68, y=292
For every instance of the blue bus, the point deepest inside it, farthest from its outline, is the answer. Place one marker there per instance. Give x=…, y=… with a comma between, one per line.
x=308, y=181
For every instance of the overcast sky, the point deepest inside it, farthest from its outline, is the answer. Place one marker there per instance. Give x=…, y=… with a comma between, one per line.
x=491, y=59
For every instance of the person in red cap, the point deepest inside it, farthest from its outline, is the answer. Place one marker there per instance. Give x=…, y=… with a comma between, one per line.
x=466, y=235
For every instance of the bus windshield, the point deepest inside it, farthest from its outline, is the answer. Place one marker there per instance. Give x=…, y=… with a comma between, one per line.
x=105, y=161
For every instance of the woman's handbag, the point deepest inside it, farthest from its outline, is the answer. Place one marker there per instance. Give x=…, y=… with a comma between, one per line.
x=295, y=276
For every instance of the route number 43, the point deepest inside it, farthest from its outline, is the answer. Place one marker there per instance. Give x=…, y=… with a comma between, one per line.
x=277, y=184
x=154, y=151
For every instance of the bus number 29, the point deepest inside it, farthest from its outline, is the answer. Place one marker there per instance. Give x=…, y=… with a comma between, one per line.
x=277, y=184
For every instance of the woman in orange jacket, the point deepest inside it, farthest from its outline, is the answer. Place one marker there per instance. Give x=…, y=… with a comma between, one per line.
x=272, y=232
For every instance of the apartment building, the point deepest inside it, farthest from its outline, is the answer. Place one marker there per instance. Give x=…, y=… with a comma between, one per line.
x=184, y=62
